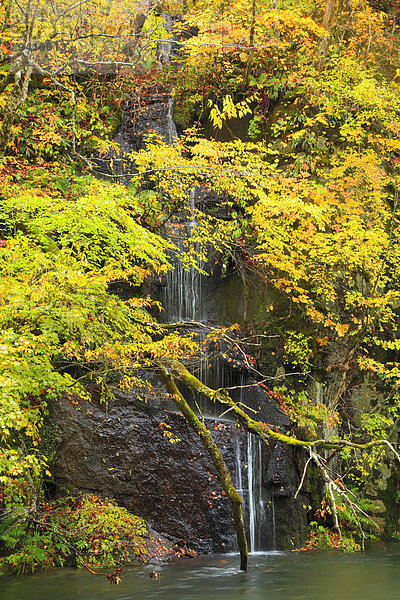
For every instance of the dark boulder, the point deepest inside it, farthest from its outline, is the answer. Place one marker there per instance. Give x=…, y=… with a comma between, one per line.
x=124, y=451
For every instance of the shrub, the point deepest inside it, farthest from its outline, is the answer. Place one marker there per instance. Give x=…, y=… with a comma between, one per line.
x=90, y=532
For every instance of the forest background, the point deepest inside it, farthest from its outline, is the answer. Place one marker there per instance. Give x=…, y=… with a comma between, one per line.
x=310, y=197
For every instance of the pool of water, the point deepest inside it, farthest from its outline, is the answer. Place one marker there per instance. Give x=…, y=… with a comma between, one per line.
x=271, y=576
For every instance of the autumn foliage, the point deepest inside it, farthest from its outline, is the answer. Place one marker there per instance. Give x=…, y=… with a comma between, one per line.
x=290, y=121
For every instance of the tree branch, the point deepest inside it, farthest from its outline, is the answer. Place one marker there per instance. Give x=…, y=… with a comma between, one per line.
x=262, y=429
x=216, y=457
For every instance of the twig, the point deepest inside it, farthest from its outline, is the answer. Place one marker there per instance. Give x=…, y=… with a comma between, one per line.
x=304, y=475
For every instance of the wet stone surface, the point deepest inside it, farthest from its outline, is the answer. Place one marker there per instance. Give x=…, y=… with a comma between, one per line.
x=122, y=451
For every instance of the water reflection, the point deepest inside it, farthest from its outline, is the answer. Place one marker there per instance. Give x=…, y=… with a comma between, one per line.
x=272, y=576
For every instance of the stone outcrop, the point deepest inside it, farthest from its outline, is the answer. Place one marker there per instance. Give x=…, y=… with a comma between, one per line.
x=123, y=451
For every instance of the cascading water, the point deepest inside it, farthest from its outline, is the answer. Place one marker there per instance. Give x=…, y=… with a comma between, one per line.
x=172, y=134
x=165, y=51
x=183, y=300
x=165, y=46
x=182, y=295
x=249, y=475
x=187, y=296
x=255, y=502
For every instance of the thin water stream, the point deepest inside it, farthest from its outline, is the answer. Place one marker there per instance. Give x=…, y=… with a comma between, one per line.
x=271, y=576
x=183, y=301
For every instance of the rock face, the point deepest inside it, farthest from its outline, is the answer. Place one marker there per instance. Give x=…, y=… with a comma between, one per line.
x=143, y=118
x=121, y=451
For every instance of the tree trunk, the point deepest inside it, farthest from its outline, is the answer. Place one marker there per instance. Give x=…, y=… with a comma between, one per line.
x=18, y=97
x=251, y=41
x=261, y=429
x=216, y=457
x=143, y=11
x=327, y=24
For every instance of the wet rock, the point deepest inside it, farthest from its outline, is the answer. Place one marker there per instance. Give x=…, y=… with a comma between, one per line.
x=123, y=451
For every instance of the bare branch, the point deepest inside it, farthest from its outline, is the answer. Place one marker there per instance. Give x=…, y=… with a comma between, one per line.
x=304, y=474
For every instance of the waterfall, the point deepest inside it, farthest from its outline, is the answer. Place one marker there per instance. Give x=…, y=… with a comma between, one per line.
x=165, y=52
x=182, y=298
x=251, y=506
x=248, y=455
x=165, y=46
x=185, y=297
x=255, y=501
x=183, y=301
x=172, y=134
x=182, y=295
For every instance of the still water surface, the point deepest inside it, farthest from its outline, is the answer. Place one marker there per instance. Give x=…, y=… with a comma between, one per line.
x=271, y=576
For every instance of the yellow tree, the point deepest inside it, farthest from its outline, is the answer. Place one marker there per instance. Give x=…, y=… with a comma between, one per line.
x=57, y=40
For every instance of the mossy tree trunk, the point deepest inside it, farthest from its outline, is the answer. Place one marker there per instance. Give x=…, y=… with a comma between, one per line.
x=217, y=459
x=259, y=428
x=174, y=368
